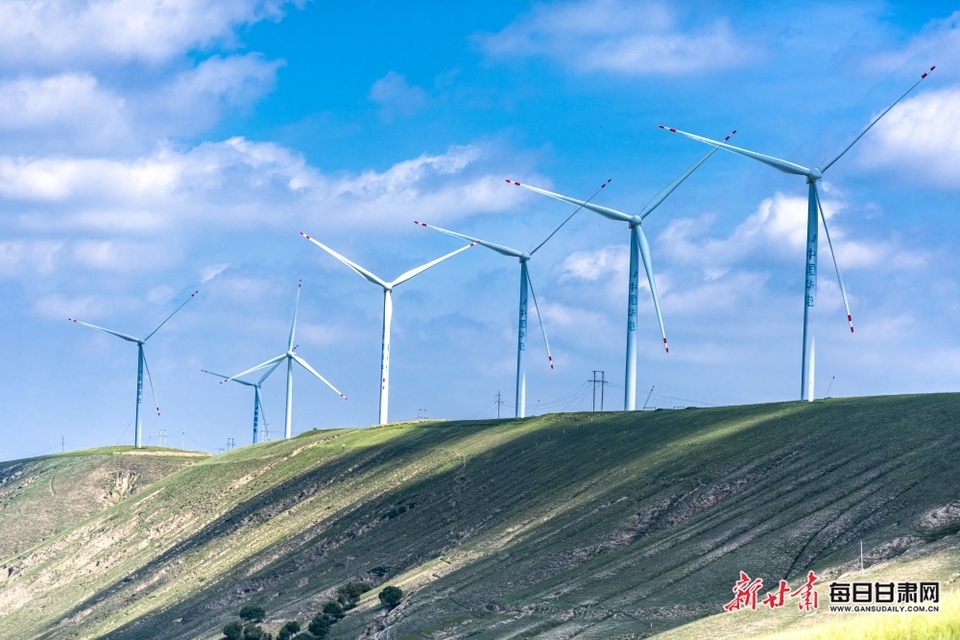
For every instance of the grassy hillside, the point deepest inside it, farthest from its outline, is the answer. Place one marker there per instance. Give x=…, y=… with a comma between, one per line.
x=600, y=525
x=40, y=497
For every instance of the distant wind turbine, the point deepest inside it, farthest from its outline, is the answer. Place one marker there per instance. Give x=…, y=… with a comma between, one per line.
x=638, y=248
x=290, y=356
x=141, y=363
x=812, y=176
x=257, y=403
x=387, y=310
x=525, y=284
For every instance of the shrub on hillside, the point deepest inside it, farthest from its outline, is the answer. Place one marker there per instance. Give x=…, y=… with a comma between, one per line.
x=233, y=631
x=349, y=594
x=254, y=632
x=289, y=630
x=304, y=636
x=252, y=613
x=391, y=596
x=320, y=625
x=334, y=610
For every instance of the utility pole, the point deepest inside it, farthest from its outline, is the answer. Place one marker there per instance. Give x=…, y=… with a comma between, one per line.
x=499, y=403
x=603, y=382
x=61, y=444
x=162, y=437
x=183, y=436
x=647, y=401
x=230, y=444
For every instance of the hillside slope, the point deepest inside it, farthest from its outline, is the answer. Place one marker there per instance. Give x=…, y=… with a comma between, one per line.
x=40, y=497
x=605, y=525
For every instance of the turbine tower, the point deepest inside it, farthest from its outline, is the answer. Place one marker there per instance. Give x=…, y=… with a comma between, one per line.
x=257, y=402
x=141, y=364
x=639, y=248
x=525, y=284
x=387, y=310
x=812, y=177
x=290, y=356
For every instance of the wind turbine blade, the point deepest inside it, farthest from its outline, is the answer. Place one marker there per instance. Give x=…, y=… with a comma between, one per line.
x=567, y=219
x=171, y=315
x=843, y=290
x=293, y=325
x=648, y=267
x=543, y=331
x=499, y=248
x=267, y=374
x=262, y=365
x=607, y=212
x=303, y=363
x=225, y=378
x=417, y=271
x=776, y=163
x=877, y=118
x=146, y=369
x=360, y=271
x=666, y=191
x=110, y=331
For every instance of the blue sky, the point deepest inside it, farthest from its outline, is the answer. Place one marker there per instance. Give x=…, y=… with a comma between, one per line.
x=148, y=150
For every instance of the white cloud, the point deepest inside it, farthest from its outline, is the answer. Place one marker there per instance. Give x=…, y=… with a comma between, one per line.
x=230, y=186
x=22, y=257
x=210, y=272
x=56, y=306
x=590, y=266
x=68, y=100
x=620, y=37
x=938, y=42
x=394, y=95
x=920, y=137
x=38, y=33
x=74, y=111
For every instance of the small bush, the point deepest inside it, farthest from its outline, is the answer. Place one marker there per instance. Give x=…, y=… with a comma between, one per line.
x=253, y=632
x=349, y=594
x=320, y=626
x=305, y=636
x=252, y=613
x=233, y=631
x=288, y=630
x=391, y=596
x=334, y=610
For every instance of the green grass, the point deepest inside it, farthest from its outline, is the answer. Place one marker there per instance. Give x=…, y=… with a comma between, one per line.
x=594, y=525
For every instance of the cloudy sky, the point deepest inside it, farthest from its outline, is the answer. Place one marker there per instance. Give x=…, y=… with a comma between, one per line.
x=148, y=150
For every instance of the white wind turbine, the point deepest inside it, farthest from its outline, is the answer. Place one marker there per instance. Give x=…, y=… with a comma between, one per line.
x=814, y=207
x=387, y=310
x=141, y=363
x=290, y=356
x=639, y=248
x=525, y=284
x=257, y=402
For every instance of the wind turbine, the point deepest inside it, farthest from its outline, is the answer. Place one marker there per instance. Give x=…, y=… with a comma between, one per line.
x=387, y=310
x=639, y=248
x=257, y=403
x=812, y=176
x=525, y=284
x=141, y=363
x=290, y=356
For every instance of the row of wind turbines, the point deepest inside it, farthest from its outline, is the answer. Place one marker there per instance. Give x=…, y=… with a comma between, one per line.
x=639, y=250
